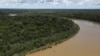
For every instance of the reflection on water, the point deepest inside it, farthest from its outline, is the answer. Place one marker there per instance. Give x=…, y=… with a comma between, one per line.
x=85, y=43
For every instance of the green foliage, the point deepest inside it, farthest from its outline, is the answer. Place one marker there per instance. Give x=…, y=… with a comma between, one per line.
x=23, y=33
x=92, y=15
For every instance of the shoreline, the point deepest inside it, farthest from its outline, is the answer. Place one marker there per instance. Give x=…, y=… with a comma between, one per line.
x=72, y=33
x=76, y=45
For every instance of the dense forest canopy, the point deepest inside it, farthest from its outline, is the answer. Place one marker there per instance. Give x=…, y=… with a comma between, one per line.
x=87, y=14
x=23, y=33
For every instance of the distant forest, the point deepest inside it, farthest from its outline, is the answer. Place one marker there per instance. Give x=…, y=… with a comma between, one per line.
x=87, y=14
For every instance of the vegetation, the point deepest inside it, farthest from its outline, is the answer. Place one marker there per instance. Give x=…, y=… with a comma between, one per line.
x=92, y=15
x=24, y=33
x=85, y=14
x=34, y=29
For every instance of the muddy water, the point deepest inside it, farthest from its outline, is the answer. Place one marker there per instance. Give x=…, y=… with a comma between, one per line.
x=85, y=43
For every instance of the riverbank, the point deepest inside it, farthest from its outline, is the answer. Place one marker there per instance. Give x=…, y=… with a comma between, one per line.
x=61, y=36
x=85, y=43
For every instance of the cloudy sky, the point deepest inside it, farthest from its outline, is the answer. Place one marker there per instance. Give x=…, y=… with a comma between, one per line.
x=50, y=4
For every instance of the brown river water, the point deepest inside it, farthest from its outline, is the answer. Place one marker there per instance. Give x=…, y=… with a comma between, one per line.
x=85, y=43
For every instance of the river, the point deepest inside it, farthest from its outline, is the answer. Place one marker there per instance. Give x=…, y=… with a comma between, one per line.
x=85, y=43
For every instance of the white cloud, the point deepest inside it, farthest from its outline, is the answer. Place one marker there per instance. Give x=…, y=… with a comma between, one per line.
x=10, y=1
x=33, y=3
x=67, y=2
x=88, y=2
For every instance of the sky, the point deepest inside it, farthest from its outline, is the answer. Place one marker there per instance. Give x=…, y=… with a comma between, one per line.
x=50, y=4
